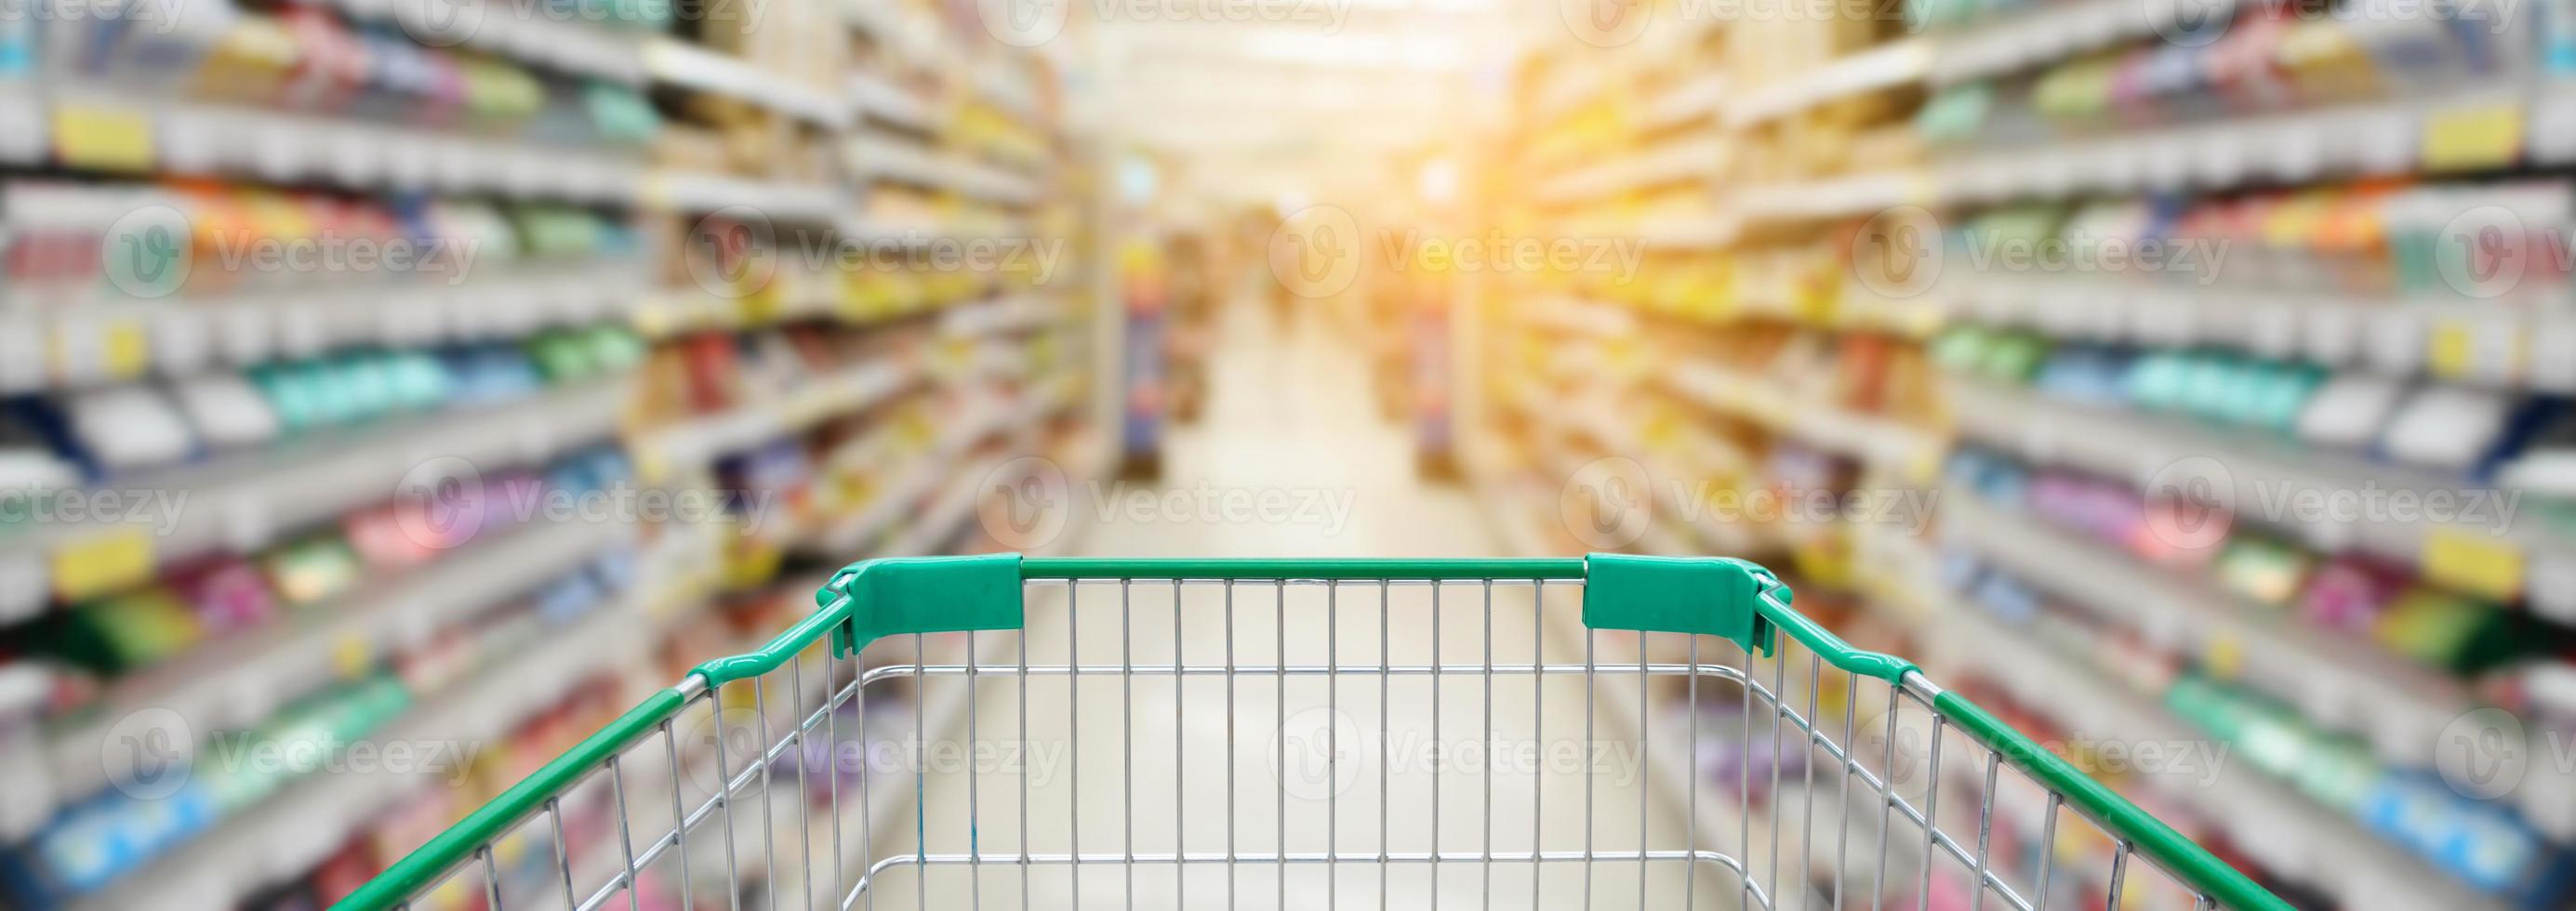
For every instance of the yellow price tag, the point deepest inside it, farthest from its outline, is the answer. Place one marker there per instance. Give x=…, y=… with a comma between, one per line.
x=120, y=349
x=102, y=565
x=125, y=348
x=652, y=466
x=2451, y=350
x=2473, y=563
x=108, y=138
x=654, y=319
x=2223, y=656
x=2475, y=137
x=351, y=656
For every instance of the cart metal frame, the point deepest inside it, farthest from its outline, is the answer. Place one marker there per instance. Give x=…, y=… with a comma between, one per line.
x=1692, y=598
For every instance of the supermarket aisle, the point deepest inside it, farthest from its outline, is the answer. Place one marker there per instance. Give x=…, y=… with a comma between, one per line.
x=1296, y=415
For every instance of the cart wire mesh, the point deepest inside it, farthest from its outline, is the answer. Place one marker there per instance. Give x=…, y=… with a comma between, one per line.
x=1305, y=734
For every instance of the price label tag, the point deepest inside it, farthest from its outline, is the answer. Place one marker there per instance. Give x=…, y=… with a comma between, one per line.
x=2553, y=129
x=106, y=137
x=2553, y=588
x=352, y=655
x=2475, y=137
x=2397, y=341
x=2450, y=351
x=182, y=344
x=2334, y=332
x=22, y=355
x=22, y=586
x=2554, y=374
x=2223, y=655
x=103, y=564
x=111, y=348
x=2473, y=562
x=2275, y=330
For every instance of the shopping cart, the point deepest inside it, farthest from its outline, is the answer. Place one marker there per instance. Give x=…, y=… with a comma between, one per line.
x=1869, y=784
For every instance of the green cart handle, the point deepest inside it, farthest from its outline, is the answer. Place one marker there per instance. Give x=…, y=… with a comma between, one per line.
x=1718, y=596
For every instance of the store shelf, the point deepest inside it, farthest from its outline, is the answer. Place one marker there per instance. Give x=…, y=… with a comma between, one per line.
x=109, y=340
x=1583, y=318
x=699, y=441
x=1871, y=439
x=2372, y=138
x=1002, y=316
x=679, y=63
x=245, y=502
x=235, y=682
x=2526, y=555
x=777, y=201
x=1882, y=67
x=556, y=37
x=878, y=156
x=2483, y=342
x=1697, y=233
x=878, y=98
x=1832, y=197
x=2337, y=680
x=2285, y=832
x=1671, y=162
x=1701, y=96
x=289, y=832
x=280, y=147
x=2056, y=31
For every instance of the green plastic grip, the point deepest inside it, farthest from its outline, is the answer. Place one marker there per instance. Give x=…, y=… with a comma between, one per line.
x=923, y=595
x=1719, y=597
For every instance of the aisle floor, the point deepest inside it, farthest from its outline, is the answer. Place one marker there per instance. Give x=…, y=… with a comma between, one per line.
x=1299, y=416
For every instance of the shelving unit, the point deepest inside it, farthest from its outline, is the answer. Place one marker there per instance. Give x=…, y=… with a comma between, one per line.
x=1772, y=197
x=854, y=147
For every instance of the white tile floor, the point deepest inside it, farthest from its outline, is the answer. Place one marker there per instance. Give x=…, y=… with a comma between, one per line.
x=1296, y=415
